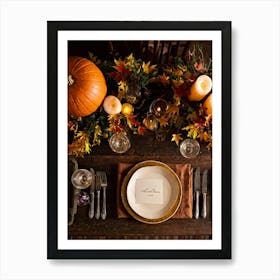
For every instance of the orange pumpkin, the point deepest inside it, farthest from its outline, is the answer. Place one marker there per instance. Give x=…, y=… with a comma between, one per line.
x=86, y=87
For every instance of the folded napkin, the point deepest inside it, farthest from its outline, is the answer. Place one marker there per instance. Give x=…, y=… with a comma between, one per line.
x=184, y=172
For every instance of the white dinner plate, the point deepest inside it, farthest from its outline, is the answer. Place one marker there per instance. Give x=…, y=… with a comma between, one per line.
x=151, y=192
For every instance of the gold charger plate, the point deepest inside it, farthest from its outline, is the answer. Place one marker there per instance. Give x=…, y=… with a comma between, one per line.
x=172, y=192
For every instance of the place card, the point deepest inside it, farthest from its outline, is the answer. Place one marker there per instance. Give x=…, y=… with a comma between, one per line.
x=149, y=191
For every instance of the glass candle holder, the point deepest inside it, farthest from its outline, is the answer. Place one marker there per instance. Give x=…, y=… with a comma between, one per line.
x=133, y=94
x=119, y=143
x=150, y=122
x=189, y=148
x=159, y=107
x=81, y=178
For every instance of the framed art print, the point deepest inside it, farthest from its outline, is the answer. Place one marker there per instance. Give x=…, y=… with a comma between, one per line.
x=139, y=140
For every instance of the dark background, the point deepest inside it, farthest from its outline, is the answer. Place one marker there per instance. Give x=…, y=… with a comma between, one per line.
x=158, y=52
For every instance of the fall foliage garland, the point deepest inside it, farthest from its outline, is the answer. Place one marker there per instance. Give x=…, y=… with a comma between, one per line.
x=185, y=118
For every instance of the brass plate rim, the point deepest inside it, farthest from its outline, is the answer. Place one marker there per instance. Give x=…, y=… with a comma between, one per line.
x=173, y=209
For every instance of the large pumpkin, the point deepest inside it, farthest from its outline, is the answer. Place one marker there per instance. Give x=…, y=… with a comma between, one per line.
x=86, y=87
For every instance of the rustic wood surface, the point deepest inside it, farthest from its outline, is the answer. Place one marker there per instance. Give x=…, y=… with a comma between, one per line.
x=142, y=148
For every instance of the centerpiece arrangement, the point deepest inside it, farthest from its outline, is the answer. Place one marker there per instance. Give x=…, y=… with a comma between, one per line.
x=108, y=99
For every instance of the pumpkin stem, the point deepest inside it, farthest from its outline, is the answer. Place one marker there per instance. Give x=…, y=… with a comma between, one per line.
x=70, y=80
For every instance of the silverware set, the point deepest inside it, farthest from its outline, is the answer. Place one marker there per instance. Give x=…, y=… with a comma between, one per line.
x=100, y=182
x=200, y=187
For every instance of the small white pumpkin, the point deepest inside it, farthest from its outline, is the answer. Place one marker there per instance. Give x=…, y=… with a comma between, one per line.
x=112, y=105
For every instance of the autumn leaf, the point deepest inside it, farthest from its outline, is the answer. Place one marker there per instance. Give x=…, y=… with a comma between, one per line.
x=173, y=110
x=120, y=66
x=97, y=135
x=122, y=72
x=208, y=120
x=176, y=138
x=199, y=67
x=130, y=59
x=183, y=68
x=178, y=82
x=115, y=128
x=132, y=120
x=122, y=86
x=204, y=136
x=87, y=148
x=164, y=79
x=163, y=121
x=147, y=68
x=118, y=62
x=129, y=123
x=74, y=127
x=80, y=145
x=195, y=133
x=114, y=117
x=167, y=70
x=192, y=116
x=122, y=89
x=141, y=130
x=193, y=130
x=177, y=99
x=178, y=72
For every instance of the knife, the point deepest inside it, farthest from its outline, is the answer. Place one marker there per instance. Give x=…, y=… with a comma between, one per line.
x=204, y=192
x=92, y=190
x=197, y=191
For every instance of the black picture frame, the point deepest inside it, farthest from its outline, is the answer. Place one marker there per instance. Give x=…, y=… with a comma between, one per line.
x=53, y=27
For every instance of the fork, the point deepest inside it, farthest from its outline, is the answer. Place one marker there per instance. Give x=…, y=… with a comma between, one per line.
x=103, y=183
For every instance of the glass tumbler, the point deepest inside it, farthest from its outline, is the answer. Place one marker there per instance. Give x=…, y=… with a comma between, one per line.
x=81, y=178
x=189, y=148
x=119, y=143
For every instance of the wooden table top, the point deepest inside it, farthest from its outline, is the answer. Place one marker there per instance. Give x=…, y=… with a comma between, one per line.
x=142, y=148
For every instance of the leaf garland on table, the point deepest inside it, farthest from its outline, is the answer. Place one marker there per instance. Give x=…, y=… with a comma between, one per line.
x=184, y=118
